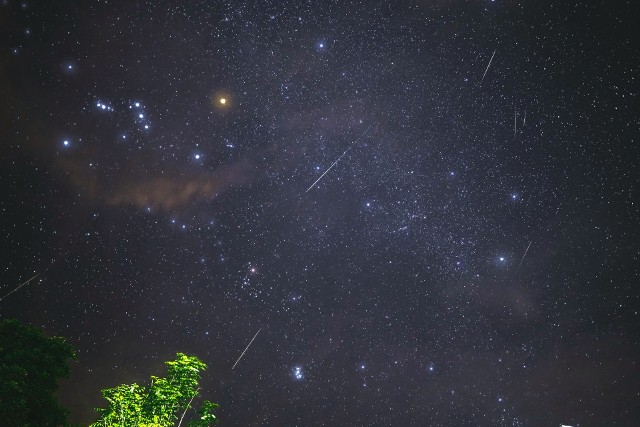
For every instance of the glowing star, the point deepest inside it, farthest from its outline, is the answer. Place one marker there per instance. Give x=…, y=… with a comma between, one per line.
x=66, y=142
x=197, y=156
x=501, y=259
x=223, y=101
x=297, y=373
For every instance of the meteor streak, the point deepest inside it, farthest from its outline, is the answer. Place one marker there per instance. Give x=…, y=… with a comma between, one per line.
x=489, y=65
x=334, y=163
x=19, y=286
x=325, y=172
x=525, y=254
x=245, y=350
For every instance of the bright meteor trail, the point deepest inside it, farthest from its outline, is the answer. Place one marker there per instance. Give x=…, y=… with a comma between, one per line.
x=19, y=286
x=245, y=350
x=325, y=172
x=334, y=163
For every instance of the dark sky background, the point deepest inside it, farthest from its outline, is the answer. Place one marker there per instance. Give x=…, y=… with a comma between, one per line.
x=470, y=258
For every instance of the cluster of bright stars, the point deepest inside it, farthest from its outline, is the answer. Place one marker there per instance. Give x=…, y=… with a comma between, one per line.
x=139, y=114
x=104, y=107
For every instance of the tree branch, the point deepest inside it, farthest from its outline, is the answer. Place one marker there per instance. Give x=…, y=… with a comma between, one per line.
x=188, y=404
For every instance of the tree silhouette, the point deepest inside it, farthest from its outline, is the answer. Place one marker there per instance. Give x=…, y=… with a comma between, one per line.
x=30, y=366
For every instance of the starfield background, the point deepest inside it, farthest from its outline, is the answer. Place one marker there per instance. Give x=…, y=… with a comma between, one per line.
x=428, y=210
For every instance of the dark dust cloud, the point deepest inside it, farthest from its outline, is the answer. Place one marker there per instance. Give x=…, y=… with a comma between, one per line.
x=470, y=257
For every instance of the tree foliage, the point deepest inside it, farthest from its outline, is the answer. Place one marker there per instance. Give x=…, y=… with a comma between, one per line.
x=30, y=366
x=160, y=404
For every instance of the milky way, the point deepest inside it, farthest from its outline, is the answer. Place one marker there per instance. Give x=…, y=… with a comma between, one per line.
x=428, y=210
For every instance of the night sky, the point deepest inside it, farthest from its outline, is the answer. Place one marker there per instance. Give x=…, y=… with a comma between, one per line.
x=428, y=210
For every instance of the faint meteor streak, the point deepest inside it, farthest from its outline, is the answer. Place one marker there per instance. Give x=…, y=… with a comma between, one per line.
x=489, y=65
x=325, y=172
x=525, y=254
x=19, y=286
x=245, y=350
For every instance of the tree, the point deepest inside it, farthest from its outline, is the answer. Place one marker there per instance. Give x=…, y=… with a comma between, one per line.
x=30, y=366
x=160, y=403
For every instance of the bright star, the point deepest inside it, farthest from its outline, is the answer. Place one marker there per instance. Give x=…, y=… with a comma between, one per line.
x=223, y=101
